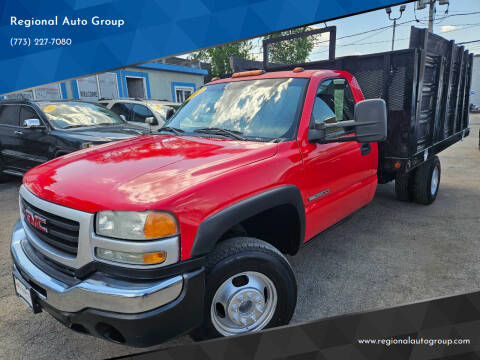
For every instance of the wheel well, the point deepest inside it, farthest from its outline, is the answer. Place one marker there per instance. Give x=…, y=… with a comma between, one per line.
x=279, y=226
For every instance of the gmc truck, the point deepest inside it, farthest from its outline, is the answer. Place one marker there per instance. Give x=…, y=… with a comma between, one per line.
x=186, y=231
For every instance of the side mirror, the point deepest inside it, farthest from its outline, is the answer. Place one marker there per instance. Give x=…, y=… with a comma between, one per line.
x=151, y=120
x=32, y=123
x=123, y=117
x=370, y=125
x=170, y=113
x=371, y=120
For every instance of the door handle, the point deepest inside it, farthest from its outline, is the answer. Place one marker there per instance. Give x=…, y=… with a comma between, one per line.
x=18, y=132
x=365, y=149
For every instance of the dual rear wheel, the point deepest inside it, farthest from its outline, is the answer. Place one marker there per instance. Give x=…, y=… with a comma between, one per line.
x=420, y=185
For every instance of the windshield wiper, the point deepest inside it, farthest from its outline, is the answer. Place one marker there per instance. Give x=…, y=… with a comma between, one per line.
x=74, y=126
x=171, y=129
x=220, y=131
x=100, y=124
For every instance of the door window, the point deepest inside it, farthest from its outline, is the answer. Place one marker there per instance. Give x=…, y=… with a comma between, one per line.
x=9, y=115
x=26, y=112
x=122, y=109
x=334, y=102
x=140, y=113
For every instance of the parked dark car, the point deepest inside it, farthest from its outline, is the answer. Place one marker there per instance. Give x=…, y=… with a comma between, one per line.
x=33, y=132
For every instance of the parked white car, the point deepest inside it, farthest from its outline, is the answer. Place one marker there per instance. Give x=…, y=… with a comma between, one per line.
x=148, y=113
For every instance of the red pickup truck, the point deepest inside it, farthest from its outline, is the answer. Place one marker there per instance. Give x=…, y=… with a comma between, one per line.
x=185, y=231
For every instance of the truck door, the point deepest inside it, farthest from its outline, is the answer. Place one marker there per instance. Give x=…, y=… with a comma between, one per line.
x=338, y=175
x=35, y=143
x=9, y=142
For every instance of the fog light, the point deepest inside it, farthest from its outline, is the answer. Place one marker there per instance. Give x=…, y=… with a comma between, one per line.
x=157, y=257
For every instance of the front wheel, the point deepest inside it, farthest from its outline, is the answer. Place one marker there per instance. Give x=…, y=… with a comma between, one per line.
x=250, y=286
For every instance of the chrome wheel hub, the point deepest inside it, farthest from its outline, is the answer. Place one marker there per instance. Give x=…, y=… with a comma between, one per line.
x=434, y=183
x=244, y=302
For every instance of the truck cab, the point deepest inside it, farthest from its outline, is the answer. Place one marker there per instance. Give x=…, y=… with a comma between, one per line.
x=143, y=244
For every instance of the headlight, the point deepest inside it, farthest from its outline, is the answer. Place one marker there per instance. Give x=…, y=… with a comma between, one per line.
x=133, y=225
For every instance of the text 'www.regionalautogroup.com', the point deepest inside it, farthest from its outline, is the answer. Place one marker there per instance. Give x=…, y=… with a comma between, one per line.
x=414, y=341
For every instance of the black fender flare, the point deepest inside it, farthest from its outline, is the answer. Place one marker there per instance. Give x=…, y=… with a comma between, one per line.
x=212, y=228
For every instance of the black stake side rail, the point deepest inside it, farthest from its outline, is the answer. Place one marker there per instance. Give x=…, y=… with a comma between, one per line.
x=426, y=88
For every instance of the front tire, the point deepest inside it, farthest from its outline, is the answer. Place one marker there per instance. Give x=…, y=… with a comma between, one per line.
x=250, y=286
x=427, y=181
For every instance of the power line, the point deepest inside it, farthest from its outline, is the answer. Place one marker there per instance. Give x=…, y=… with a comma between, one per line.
x=385, y=28
x=402, y=23
x=469, y=42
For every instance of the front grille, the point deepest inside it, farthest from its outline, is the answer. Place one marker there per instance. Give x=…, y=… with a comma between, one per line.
x=61, y=234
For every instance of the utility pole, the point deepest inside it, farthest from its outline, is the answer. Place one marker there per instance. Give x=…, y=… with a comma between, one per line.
x=388, y=10
x=431, y=16
x=422, y=4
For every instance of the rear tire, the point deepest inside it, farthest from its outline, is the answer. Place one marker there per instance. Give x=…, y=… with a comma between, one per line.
x=427, y=181
x=250, y=286
x=404, y=186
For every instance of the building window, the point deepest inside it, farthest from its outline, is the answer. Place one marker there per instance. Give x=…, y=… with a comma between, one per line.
x=108, y=85
x=136, y=87
x=49, y=92
x=94, y=87
x=182, y=92
x=88, y=88
x=45, y=92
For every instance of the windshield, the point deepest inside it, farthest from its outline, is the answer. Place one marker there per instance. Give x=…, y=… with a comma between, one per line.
x=263, y=109
x=72, y=114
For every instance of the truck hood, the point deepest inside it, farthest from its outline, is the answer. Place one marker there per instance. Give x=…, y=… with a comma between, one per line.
x=136, y=174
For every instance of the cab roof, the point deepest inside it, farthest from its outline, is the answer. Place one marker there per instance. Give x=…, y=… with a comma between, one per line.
x=286, y=74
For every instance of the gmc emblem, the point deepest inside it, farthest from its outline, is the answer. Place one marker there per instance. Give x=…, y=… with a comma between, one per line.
x=36, y=221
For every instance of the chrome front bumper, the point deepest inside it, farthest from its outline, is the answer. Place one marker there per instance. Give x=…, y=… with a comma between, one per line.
x=96, y=292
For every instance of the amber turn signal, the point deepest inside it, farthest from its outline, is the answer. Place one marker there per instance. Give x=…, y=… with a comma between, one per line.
x=248, y=73
x=155, y=257
x=298, y=69
x=159, y=224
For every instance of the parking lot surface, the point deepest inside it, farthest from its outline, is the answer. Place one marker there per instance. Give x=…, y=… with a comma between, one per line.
x=388, y=253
